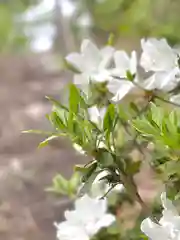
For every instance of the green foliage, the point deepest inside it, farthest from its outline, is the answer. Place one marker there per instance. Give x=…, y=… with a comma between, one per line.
x=62, y=186
x=135, y=18
x=161, y=126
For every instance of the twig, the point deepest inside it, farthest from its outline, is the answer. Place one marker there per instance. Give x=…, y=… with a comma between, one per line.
x=167, y=101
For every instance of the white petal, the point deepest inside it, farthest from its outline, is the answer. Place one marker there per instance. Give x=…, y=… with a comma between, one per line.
x=169, y=220
x=133, y=63
x=122, y=62
x=175, y=99
x=105, y=221
x=107, y=54
x=120, y=88
x=72, y=216
x=81, y=79
x=167, y=204
x=119, y=188
x=164, y=81
x=66, y=231
x=94, y=115
x=153, y=230
x=76, y=60
x=91, y=208
x=91, y=55
x=157, y=55
x=101, y=76
x=101, y=175
x=99, y=188
x=167, y=80
x=150, y=83
x=97, y=114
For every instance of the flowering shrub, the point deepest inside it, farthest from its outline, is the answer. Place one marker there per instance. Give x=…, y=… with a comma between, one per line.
x=118, y=104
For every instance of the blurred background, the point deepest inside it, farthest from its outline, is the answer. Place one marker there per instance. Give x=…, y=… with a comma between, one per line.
x=35, y=35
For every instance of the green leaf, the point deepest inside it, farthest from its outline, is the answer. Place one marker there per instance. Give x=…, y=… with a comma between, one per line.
x=59, y=186
x=109, y=118
x=57, y=103
x=123, y=113
x=74, y=98
x=104, y=157
x=143, y=126
x=90, y=168
x=74, y=182
x=46, y=141
x=130, y=76
x=57, y=121
x=170, y=168
x=87, y=185
x=173, y=121
x=157, y=114
x=40, y=132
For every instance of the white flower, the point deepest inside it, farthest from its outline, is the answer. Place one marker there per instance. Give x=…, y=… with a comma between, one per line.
x=157, y=55
x=96, y=115
x=169, y=225
x=86, y=220
x=100, y=186
x=121, y=87
x=160, y=58
x=91, y=63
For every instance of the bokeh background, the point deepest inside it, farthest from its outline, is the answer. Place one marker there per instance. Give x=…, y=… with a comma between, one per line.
x=35, y=35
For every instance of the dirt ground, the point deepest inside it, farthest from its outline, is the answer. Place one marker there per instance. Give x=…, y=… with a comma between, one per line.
x=27, y=212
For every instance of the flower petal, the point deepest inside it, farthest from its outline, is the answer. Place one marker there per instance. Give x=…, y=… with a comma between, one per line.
x=106, y=54
x=122, y=62
x=67, y=231
x=175, y=99
x=76, y=60
x=150, y=83
x=97, y=115
x=94, y=115
x=167, y=204
x=80, y=79
x=164, y=81
x=120, y=88
x=157, y=55
x=91, y=55
x=153, y=230
x=101, y=76
x=105, y=221
x=133, y=63
x=168, y=80
x=91, y=208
